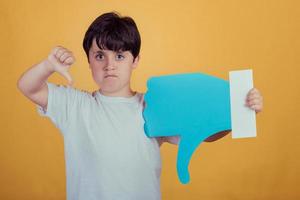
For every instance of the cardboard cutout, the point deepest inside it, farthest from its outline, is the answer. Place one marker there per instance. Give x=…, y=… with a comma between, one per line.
x=193, y=106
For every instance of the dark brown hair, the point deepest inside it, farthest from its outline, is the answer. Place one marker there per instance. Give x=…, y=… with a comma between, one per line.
x=114, y=33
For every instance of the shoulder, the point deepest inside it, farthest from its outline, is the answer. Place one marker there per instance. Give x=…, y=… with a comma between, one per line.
x=141, y=96
x=71, y=92
x=141, y=100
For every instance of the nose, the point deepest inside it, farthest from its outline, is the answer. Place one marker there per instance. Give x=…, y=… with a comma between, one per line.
x=110, y=65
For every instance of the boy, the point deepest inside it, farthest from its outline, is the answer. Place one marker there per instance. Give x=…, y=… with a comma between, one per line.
x=108, y=155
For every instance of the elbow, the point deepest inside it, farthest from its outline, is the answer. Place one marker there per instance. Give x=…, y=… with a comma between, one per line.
x=19, y=84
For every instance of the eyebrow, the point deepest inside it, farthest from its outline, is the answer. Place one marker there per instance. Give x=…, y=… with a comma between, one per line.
x=100, y=51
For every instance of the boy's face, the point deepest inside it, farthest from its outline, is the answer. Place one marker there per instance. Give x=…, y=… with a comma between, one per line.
x=112, y=70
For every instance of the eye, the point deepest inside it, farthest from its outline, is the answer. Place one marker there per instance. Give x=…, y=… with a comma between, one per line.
x=120, y=57
x=99, y=56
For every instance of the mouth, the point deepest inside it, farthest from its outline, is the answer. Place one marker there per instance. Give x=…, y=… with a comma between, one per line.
x=108, y=76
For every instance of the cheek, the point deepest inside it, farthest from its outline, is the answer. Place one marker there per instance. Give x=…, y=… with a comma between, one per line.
x=98, y=70
x=126, y=74
x=97, y=73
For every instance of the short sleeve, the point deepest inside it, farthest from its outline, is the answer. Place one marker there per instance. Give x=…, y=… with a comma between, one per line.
x=61, y=101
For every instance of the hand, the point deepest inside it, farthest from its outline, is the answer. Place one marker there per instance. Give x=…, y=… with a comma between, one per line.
x=60, y=60
x=254, y=100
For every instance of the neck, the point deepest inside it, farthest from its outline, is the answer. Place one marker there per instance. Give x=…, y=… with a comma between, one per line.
x=124, y=92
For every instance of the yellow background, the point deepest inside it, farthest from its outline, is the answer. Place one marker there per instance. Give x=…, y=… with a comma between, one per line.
x=211, y=36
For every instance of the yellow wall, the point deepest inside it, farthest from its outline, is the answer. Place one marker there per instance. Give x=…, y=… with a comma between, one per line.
x=211, y=36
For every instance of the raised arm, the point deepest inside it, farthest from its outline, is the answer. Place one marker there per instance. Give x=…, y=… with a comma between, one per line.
x=32, y=82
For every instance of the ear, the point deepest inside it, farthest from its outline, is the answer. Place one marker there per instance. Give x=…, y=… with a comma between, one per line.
x=136, y=62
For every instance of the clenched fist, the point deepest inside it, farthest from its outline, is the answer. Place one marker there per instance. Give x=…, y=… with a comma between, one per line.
x=254, y=100
x=60, y=60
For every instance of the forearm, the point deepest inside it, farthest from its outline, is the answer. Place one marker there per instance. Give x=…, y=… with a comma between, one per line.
x=35, y=77
x=175, y=139
x=169, y=139
x=217, y=136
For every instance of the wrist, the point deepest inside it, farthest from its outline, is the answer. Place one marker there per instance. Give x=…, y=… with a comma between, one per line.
x=48, y=66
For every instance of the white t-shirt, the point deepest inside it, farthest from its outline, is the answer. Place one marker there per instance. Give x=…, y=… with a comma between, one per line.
x=108, y=156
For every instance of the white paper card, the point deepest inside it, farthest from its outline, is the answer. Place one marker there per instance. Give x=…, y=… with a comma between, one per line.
x=243, y=121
